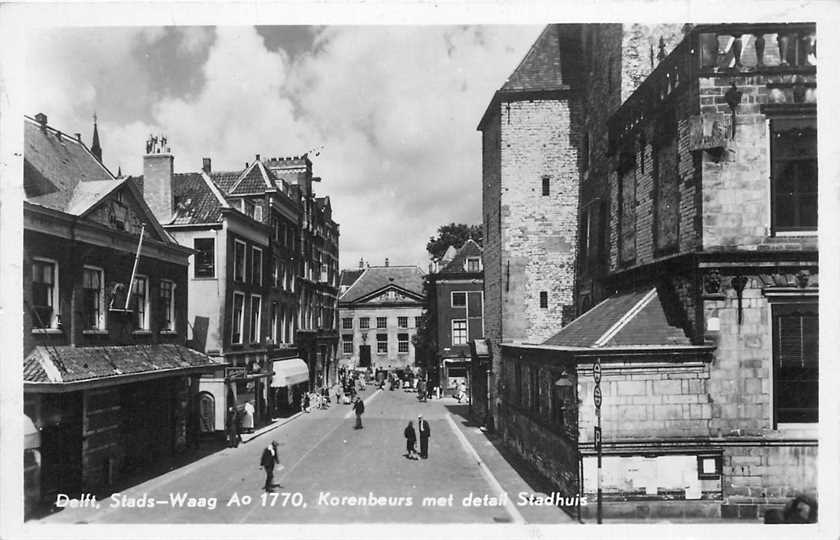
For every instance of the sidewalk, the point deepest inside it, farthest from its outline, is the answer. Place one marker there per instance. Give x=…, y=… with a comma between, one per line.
x=513, y=475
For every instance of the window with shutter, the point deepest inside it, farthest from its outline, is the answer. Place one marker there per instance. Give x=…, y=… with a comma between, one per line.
x=795, y=363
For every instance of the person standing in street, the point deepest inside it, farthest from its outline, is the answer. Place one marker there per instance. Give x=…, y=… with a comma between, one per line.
x=410, y=441
x=462, y=391
x=359, y=408
x=425, y=433
x=248, y=417
x=233, y=428
x=268, y=460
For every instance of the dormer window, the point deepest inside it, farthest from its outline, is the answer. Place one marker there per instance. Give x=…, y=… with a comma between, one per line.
x=473, y=264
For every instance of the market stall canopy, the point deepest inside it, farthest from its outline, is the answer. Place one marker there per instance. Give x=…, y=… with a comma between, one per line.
x=289, y=372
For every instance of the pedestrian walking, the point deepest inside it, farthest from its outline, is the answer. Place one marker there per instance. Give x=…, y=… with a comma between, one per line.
x=359, y=409
x=462, y=391
x=233, y=433
x=410, y=441
x=421, y=390
x=268, y=461
x=425, y=433
x=248, y=417
x=306, y=402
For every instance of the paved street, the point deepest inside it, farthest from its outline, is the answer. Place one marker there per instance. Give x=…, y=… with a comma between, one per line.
x=332, y=470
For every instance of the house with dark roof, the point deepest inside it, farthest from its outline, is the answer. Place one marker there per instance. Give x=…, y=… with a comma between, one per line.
x=455, y=289
x=263, y=278
x=380, y=310
x=687, y=386
x=109, y=383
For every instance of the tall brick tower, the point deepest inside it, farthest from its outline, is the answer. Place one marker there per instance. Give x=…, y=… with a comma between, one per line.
x=530, y=193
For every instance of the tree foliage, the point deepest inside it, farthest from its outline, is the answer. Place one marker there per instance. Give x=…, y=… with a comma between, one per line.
x=453, y=234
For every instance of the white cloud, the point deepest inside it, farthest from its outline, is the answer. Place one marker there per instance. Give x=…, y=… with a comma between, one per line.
x=395, y=107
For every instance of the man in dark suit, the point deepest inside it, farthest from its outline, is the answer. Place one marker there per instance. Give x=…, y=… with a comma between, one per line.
x=268, y=460
x=425, y=433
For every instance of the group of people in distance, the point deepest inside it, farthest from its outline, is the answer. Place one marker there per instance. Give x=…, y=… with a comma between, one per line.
x=411, y=438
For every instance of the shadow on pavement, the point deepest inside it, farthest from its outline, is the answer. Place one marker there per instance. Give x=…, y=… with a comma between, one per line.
x=210, y=444
x=535, y=480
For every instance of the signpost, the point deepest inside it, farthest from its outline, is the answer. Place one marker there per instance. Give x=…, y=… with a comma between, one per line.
x=598, y=398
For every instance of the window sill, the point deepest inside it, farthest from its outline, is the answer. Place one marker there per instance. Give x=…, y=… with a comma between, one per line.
x=95, y=332
x=49, y=331
x=798, y=429
x=789, y=234
x=141, y=333
x=168, y=333
x=205, y=278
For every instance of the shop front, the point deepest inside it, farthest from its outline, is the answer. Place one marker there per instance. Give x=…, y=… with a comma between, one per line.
x=290, y=379
x=454, y=372
x=248, y=395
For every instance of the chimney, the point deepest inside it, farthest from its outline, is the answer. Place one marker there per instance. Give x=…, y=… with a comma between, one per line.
x=386, y=261
x=361, y=262
x=205, y=165
x=78, y=136
x=41, y=118
x=158, y=167
x=257, y=158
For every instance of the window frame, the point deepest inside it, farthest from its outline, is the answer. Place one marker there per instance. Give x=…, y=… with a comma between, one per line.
x=239, y=267
x=347, y=323
x=167, y=312
x=254, y=330
x=546, y=186
x=196, y=265
x=452, y=299
x=54, y=298
x=806, y=121
x=233, y=328
x=805, y=307
x=453, y=322
x=381, y=323
x=101, y=323
x=543, y=299
x=364, y=323
x=402, y=322
x=382, y=344
x=256, y=269
x=345, y=342
x=469, y=268
x=403, y=343
x=145, y=326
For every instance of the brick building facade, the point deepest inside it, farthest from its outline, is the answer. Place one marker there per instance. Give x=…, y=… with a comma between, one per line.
x=698, y=286
x=109, y=385
x=264, y=277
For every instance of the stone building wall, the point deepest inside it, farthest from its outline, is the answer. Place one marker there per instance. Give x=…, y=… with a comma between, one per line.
x=539, y=232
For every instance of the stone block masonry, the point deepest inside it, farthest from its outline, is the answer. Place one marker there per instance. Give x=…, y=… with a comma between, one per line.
x=538, y=232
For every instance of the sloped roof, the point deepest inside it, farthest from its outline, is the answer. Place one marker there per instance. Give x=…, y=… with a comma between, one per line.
x=68, y=364
x=540, y=69
x=252, y=180
x=632, y=319
x=349, y=277
x=458, y=262
x=195, y=202
x=55, y=165
x=376, y=278
x=86, y=194
x=225, y=179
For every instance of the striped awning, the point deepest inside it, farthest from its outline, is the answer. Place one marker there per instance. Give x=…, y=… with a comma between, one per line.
x=289, y=372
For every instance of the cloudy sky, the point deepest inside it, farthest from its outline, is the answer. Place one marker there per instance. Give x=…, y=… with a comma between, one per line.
x=393, y=109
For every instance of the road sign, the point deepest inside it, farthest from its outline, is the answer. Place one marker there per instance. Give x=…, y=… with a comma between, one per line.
x=598, y=396
x=597, y=438
x=596, y=370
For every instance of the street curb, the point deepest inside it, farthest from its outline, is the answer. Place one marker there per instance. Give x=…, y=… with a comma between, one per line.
x=271, y=427
x=514, y=513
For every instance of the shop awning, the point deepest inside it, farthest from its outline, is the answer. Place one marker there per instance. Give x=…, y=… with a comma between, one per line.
x=31, y=434
x=289, y=372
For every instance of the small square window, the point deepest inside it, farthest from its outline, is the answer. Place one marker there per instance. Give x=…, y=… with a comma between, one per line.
x=382, y=322
x=709, y=466
x=364, y=323
x=459, y=299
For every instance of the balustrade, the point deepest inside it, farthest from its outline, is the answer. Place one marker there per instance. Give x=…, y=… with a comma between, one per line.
x=755, y=48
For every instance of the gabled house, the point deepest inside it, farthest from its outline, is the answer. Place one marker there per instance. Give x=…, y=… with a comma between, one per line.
x=380, y=311
x=109, y=383
x=456, y=309
x=258, y=303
